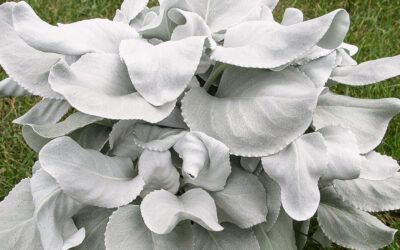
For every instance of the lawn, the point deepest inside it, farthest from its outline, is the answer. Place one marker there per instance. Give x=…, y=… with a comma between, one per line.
x=375, y=30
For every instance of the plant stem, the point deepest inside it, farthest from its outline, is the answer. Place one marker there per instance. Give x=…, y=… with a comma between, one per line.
x=216, y=72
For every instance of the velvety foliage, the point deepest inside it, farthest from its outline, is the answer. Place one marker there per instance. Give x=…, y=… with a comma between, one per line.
x=196, y=124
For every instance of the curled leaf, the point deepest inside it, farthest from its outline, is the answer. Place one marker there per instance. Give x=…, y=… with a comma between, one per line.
x=162, y=211
x=89, y=176
x=158, y=172
x=206, y=161
x=129, y=220
x=95, y=35
x=89, y=86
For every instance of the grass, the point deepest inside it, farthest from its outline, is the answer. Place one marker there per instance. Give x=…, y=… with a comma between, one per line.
x=375, y=29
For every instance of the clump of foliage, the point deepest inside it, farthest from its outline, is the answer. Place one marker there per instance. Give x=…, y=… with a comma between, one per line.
x=196, y=124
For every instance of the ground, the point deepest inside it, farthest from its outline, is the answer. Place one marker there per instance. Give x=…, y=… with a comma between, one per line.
x=375, y=30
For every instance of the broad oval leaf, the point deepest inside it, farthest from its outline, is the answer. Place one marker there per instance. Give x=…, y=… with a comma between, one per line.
x=122, y=142
x=371, y=195
x=231, y=237
x=206, y=161
x=376, y=166
x=94, y=220
x=292, y=16
x=90, y=86
x=358, y=229
x=9, y=87
x=297, y=170
x=45, y=112
x=158, y=172
x=156, y=138
x=343, y=154
x=132, y=8
x=243, y=201
x=253, y=113
x=162, y=211
x=258, y=44
x=53, y=213
x=367, y=119
x=27, y=66
x=189, y=24
x=20, y=232
x=223, y=14
x=250, y=164
x=71, y=123
x=174, y=64
x=320, y=69
x=368, y=72
x=129, y=221
x=89, y=176
x=280, y=236
x=273, y=200
x=95, y=35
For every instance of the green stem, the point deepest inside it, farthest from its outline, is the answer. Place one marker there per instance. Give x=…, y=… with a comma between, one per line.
x=216, y=72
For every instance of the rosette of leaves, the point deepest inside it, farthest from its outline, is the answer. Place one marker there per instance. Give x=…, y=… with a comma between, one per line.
x=196, y=124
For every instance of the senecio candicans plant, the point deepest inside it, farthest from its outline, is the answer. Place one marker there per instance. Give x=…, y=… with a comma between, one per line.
x=196, y=124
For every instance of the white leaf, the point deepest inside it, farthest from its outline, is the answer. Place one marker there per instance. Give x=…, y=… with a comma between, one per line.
x=161, y=73
x=94, y=220
x=71, y=123
x=189, y=24
x=27, y=66
x=321, y=238
x=250, y=164
x=320, y=69
x=371, y=195
x=271, y=3
x=32, y=139
x=17, y=226
x=122, y=141
x=350, y=227
x=206, y=161
x=158, y=172
x=367, y=119
x=45, y=112
x=162, y=211
x=301, y=229
x=343, y=154
x=378, y=167
x=89, y=176
x=156, y=138
x=93, y=136
x=253, y=113
x=95, y=35
x=53, y=213
x=273, y=200
x=174, y=120
x=9, y=87
x=243, y=201
x=90, y=86
x=232, y=238
x=127, y=231
x=258, y=44
x=368, y=72
x=292, y=16
x=297, y=170
x=131, y=8
x=160, y=26
x=223, y=14
x=281, y=236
